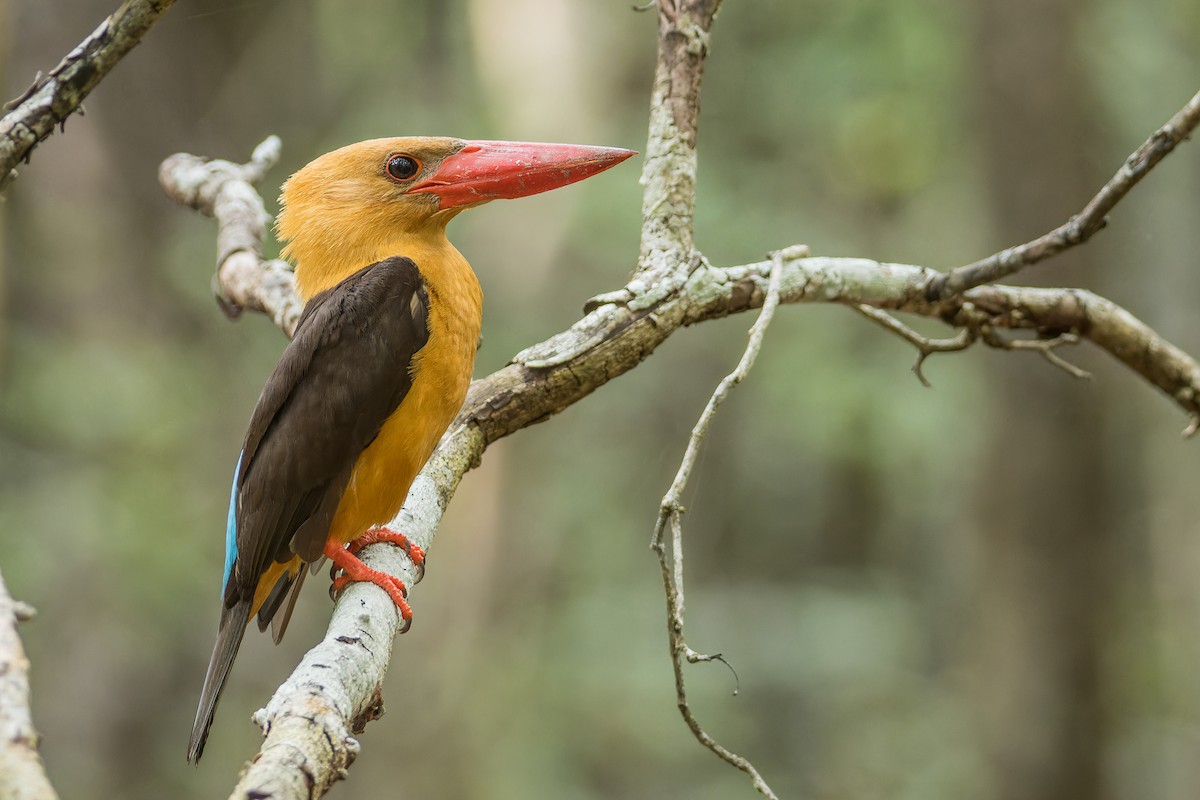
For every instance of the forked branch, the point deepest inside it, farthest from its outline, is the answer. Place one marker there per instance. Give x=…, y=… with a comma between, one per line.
x=968, y=336
x=925, y=345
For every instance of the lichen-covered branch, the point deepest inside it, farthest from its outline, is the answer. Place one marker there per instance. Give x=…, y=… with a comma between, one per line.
x=669, y=168
x=22, y=774
x=1079, y=228
x=52, y=98
x=1047, y=312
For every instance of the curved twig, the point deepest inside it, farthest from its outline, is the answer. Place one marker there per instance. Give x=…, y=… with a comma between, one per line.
x=1044, y=346
x=670, y=516
x=225, y=191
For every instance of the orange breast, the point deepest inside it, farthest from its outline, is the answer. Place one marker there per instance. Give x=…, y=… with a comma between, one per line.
x=385, y=470
x=381, y=477
x=441, y=375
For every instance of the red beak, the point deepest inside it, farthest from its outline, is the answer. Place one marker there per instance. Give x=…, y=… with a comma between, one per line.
x=484, y=170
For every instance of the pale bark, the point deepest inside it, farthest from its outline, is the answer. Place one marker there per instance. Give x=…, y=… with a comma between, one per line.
x=22, y=774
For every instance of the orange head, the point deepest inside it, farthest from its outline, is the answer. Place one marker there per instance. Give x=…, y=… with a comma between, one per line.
x=384, y=197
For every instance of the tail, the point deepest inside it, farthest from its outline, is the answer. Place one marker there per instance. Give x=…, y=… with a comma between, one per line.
x=229, y=638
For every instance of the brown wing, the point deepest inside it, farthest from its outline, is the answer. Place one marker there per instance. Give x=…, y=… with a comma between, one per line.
x=345, y=372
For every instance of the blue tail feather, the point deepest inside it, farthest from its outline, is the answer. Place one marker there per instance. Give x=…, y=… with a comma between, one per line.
x=231, y=527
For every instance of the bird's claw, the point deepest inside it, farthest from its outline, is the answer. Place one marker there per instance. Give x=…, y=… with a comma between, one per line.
x=414, y=552
x=354, y=570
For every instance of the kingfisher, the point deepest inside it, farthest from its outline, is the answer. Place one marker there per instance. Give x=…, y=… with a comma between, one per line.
x=377, y=369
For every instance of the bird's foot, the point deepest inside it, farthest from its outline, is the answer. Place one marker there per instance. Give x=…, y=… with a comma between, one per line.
x=354, y=570
x=389, y=536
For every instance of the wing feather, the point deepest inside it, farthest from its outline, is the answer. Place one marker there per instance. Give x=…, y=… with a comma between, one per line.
x=345, y=372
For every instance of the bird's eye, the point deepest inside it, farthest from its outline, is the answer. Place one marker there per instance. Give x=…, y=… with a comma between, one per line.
x=402, y=167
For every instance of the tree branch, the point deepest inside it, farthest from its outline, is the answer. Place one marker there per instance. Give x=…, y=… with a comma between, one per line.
x=1079, y=228
x=900, y=287
x=22, y=774
x=669, y=167
x=31, y=117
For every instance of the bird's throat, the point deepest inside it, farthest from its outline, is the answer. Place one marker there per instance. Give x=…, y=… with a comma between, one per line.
x=323, y=263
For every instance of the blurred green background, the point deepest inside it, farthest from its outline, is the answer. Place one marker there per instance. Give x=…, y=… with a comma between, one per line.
x=983, y=590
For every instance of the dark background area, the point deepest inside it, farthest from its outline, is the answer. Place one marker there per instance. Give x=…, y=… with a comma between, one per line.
x=983, y=590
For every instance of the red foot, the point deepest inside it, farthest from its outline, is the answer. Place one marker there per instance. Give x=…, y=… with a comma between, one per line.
x=355, y=570
x=381, y=534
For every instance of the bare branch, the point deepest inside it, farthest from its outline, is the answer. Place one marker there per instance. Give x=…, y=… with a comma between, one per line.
x=925, y=346
x=22, y=774
x=52, y=98
x=1055, y=311
x=669, y=168
x=900, y=287
x=670, y=515
x=967, y=337
x=1079, y=228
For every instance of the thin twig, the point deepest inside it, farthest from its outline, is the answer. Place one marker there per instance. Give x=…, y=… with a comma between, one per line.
x=1079, y=228
x=671, y=515
x=52, y=98
x=22, y=774
x=1044, y=346
x=925, y=345
x=968, y=336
